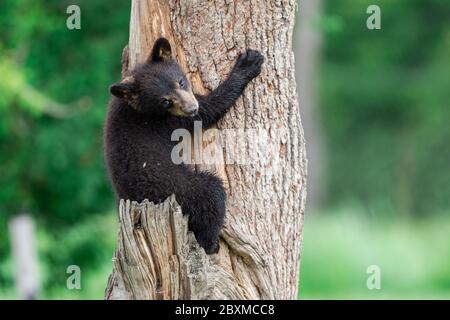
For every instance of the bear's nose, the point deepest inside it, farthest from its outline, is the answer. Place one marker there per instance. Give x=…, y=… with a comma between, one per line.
x=191, y=111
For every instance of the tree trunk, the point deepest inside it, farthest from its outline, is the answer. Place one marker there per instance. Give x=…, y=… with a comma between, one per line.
x=259, y=255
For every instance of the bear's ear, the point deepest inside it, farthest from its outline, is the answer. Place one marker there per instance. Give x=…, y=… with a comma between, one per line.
x=161, y=51
x=124, y=89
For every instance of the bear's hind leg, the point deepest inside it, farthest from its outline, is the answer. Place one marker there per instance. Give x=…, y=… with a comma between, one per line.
x=203, y=199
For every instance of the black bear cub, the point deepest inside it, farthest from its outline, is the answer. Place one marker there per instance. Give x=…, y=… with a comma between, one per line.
x=151, y=102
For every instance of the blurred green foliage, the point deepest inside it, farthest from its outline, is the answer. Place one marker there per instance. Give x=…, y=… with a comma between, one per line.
x=385, y=106
x=384, y=109
x=54, y=92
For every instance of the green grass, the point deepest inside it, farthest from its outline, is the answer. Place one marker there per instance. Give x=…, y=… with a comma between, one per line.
x=413, y=257
x=337, y=249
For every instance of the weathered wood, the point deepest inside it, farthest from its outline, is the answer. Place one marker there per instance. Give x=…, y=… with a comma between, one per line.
x=156, y=257
x=260, y=246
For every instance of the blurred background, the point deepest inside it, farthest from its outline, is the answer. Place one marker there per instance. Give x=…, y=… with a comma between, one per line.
x=375, y=107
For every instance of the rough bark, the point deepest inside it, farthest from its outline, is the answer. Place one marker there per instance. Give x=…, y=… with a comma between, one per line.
x=260, y=243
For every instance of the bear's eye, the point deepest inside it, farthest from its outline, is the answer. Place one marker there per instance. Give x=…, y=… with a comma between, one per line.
x=181, y=83
x=167, y=103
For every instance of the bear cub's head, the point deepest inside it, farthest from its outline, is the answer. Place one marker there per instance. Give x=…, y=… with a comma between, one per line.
x=158, y=87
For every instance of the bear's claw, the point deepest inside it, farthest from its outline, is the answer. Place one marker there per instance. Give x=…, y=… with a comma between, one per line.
x=249, y=63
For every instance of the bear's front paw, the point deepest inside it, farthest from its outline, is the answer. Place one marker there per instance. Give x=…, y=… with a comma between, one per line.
x=249, y=64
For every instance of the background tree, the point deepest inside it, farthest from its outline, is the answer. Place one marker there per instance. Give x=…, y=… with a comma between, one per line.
x=260, y=247
x=307, y=42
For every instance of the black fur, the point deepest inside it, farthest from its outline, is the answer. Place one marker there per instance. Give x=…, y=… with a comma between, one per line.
x=138, y=137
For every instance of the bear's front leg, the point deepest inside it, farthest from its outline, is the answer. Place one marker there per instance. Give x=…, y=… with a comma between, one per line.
x=214, y=105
